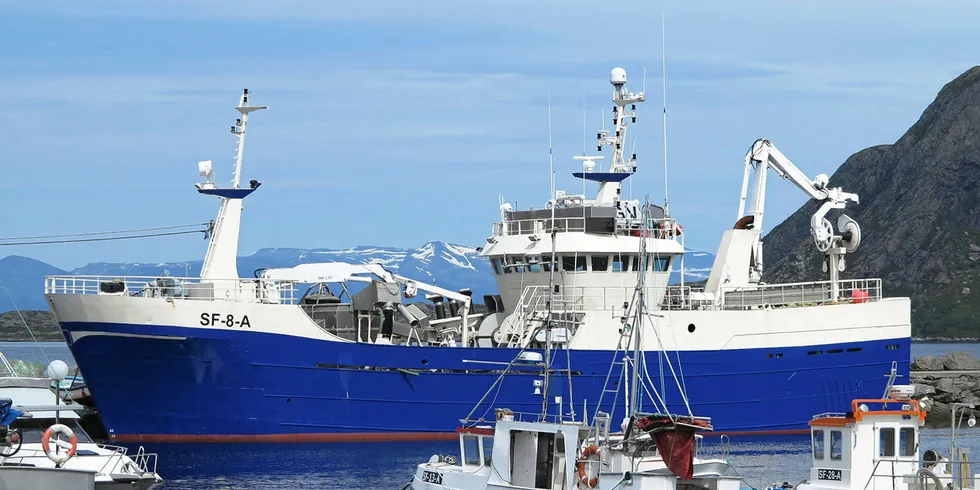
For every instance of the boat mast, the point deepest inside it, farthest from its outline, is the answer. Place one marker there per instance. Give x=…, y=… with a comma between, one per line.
x=221, y=261
x=640, y=303
x=551, y=277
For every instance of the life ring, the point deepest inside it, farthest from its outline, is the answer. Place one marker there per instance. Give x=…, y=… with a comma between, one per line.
x=590, y=454
x=55, y=456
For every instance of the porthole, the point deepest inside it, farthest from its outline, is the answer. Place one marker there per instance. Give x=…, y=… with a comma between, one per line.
x=425, y=361
x=691, y=327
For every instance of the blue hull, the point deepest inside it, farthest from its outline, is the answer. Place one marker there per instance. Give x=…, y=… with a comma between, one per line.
x=218, y=385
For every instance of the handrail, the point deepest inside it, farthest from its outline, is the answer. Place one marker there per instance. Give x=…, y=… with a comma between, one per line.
x=255, y=290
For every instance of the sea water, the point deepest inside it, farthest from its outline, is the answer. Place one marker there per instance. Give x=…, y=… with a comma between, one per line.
x=760, y=460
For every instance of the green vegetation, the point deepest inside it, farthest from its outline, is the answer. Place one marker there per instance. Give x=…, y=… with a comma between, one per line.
x=42, y=323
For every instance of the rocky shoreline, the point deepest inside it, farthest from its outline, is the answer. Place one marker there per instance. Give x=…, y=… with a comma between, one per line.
x=941, y=381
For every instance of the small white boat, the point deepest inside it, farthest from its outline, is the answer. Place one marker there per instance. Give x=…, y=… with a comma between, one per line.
x=25, y=477
x=37, y=430
x=875, y=446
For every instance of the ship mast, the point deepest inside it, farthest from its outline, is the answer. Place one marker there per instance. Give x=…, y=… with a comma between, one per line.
x=221, y=261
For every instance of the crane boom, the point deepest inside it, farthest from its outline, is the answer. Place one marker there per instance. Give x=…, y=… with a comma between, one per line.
x=763, y=155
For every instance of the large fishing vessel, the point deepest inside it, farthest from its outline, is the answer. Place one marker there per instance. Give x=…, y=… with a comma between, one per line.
x=324, y=352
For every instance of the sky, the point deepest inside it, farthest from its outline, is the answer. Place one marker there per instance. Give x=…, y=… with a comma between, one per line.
x=397, y=123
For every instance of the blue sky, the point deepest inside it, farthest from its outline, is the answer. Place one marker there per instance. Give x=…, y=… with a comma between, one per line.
x=396, y=123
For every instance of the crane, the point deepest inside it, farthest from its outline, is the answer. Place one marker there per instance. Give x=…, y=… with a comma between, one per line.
x=764, y=155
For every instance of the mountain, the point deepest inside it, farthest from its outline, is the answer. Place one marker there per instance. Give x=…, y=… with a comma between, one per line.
x=23, y=283
x=919, y=216
x=444, y=264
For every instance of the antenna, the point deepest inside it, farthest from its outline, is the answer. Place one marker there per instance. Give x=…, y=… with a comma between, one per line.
x=547, y=325
x=551, y=159
x=663, y=47
x=584, y=127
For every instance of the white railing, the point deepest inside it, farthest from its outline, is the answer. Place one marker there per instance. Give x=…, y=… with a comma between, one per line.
x=803, y=294
x=799, y=294
x=661, y=228
x=175, y=288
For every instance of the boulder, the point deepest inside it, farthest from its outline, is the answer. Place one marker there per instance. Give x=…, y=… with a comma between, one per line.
x=939, y=412
x=960, y=360
x=922, y=390
x=946, y=385
x=927, y=363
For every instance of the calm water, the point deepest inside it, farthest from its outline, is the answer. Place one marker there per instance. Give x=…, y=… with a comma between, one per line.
x=760, y=460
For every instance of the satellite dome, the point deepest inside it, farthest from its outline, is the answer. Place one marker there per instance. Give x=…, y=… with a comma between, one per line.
x=617, y=76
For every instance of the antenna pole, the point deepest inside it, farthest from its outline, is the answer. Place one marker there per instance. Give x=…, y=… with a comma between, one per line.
x=551, y=158
x=663, y=47
x=551, y=287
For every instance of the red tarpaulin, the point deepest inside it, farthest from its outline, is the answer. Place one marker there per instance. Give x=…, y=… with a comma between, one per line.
x=675, y=442
x=677, y=448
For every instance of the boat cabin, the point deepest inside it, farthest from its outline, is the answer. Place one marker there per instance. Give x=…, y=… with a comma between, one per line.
x=539, y=455
x=875, y=445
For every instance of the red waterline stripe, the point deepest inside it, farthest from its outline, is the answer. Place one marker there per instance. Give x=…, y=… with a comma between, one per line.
x=362, y=436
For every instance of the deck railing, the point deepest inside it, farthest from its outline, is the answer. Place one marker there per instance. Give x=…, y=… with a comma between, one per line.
x=662, y=228
x=175, y=288
x=798, y=294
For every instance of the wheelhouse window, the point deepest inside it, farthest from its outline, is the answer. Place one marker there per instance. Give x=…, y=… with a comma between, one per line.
x=572, y=263
x=471, y=450
x=496, y=266
x=818, y=444
x=534, y=264
x=886, y=442
x=836, y=445
x=621, y=263
x=600, y=263
x=906, y=442
x=487, y=449
x=660, y=264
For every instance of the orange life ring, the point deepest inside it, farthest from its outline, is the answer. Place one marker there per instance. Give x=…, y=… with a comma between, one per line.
x=592, y=453
x=59, y=458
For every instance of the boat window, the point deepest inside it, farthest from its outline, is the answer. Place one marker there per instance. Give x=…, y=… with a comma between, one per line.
x=636, y=264
x=32, y=430
x=906, y=442
x=546, y=262
x=620, y=263
x=886, y=442
x=471, y=450
x=600, y=263
x=661, y=264
x=534, y=264
x=571, y=263
x=487, y=450
x=518, y=264
x=836, y=445
x=818, y=444
x=496, y=266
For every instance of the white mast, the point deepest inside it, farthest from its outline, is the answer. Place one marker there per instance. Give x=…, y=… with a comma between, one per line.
x=609, y=188
x=221, y=261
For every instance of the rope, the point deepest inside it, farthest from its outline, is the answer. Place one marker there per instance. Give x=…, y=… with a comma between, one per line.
x=103, y=239
x=21, y=315
x=70, y=235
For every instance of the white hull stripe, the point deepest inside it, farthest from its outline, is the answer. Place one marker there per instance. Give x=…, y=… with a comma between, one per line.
x=81, y=334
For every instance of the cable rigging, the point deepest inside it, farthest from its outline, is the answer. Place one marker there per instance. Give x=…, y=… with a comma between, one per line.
x=101, y=236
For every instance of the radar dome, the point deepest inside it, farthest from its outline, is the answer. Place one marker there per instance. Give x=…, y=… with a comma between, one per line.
x=617, y=76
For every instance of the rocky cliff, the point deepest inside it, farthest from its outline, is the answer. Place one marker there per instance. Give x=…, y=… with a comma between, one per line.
x=919, y=216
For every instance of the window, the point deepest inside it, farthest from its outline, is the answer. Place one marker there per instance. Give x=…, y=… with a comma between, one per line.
x=471, y=450
x=661, y=264
x=886, y=442
x=496, y=266
x=818, y=444
x=906, y=442
x=636, y=264
x=32, y=430
x=534, y=264
x=836, y=445
x=571, y=263
x=620, y=263
x=600, y=263
x=518, y=264
x=487, y=450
